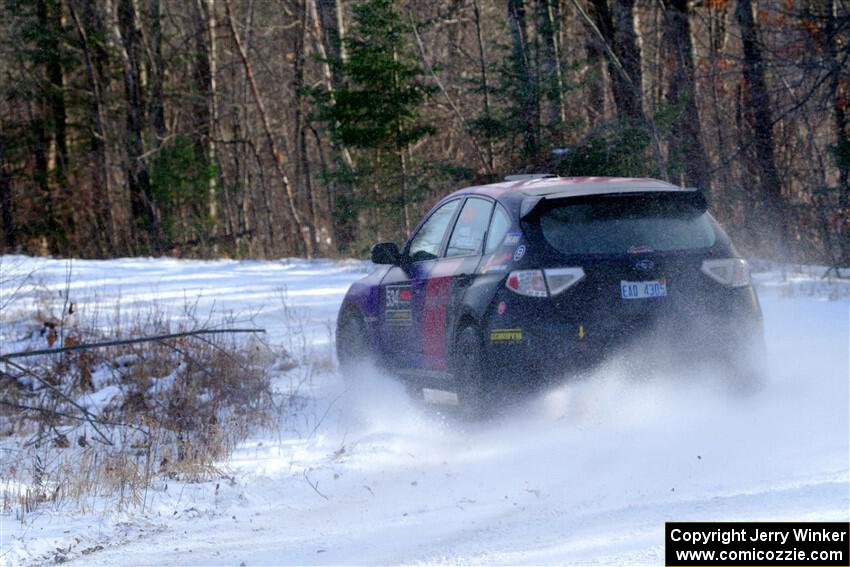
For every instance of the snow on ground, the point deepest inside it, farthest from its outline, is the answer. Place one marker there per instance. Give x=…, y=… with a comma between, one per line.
x=584, y=474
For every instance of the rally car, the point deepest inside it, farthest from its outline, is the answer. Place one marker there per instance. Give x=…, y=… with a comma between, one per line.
x=539, y=276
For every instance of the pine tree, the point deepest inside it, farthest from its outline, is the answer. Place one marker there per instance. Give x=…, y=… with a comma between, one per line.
x=375, y=111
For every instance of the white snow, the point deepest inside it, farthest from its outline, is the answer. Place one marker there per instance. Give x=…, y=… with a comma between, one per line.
x=586, y=473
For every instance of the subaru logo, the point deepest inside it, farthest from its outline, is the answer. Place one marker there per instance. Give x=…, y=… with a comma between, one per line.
x=644, y=265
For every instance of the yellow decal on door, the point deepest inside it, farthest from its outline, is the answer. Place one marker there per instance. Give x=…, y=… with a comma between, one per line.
x=506, y=336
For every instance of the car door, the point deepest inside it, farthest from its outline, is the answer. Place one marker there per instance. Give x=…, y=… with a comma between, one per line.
x=403, y=289
x=449, y=279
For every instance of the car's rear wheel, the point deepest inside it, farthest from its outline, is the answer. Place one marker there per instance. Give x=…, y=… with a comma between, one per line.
x=351, y=346
x=469, y=374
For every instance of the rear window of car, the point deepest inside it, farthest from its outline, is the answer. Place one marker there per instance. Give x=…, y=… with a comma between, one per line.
x=626, y=225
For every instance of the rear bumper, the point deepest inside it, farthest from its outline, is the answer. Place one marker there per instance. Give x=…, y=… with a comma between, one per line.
x=530, y=337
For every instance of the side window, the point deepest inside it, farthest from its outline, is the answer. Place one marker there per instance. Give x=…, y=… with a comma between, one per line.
x=426, y=244
x=499, y=227
x=470, y=228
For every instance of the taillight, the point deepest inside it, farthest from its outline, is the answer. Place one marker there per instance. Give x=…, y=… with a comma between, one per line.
x=542, y=283
x=527, y=282
x=731, y=272
x=561, y=279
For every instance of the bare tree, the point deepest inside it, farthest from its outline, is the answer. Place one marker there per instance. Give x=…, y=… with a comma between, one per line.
x=145, y=126
x=95, y=57
x=143, y=206
x=550, y=65
x=686, y=134
x=757, y=116
x=304, y=173
x=624, y=64
x=525, y=76
x=277, y=155
x=6, y=212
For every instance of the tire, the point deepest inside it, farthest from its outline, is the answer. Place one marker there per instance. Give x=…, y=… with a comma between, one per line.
x=351, y=346
x=469, y=374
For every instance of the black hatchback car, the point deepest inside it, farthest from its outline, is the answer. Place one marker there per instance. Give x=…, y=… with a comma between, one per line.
x=509, y=283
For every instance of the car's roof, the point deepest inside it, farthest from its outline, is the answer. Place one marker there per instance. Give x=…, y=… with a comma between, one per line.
x=556, y=187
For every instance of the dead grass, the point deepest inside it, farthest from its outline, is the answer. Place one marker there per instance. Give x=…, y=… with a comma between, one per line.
x=102, y=424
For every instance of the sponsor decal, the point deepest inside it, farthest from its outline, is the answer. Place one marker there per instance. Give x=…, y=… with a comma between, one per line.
x=397, y=307
x=506, y=336
x=519, y=252
x=639, y=249
x=398, y=317
x=398, y=297
x=501, y=308
x=511, y=239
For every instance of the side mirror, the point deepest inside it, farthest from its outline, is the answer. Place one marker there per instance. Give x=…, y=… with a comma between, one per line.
x=385, y=253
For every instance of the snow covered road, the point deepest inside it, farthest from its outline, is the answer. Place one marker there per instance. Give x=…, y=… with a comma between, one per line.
x=584, y=474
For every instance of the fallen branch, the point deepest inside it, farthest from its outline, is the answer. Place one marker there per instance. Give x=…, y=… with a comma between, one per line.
x=118, y=342
x=314, y=486
x=53, y=412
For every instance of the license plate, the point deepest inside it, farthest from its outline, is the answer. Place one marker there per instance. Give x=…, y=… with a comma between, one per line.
x=643, y=290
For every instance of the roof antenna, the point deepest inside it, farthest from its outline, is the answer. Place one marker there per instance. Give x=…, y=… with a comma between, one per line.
x=529, y=176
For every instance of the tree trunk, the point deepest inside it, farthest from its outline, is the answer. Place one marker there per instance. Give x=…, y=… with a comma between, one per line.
x=206, y=107
x=550, y=64
x=524, y=75
x=303, y=164
x=49, y=14
x=624, y=57
x=401, y=150
x=840, y=107
x=156, y=67
x=594, y=79
x=686, y=135
x=143, y=208
x=47, y=212
x=277, y=156
x=839, y=93
x=50, y=17
x=485, y=84
x=212, y=156
x=330, y=17
x=757, y=116
x=6, y=214
x=328, y=32
x=95, y=58
x=716, y=41
x=628, y=49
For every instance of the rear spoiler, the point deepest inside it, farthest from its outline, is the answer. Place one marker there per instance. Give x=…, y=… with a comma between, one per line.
x=692, y=194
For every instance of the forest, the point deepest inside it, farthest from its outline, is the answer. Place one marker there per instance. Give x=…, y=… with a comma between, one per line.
x=314, y=128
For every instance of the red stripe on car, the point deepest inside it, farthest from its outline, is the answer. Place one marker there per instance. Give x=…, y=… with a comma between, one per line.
x=437, y=292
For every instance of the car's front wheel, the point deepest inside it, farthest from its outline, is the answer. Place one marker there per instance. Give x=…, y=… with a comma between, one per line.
x=351, y=346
